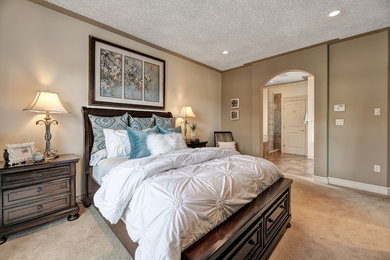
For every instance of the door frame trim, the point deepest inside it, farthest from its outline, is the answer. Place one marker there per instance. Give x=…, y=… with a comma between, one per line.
x=295, y=98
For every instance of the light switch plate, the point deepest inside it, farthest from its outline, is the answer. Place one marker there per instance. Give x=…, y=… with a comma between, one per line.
x=339, y=108
x=377, y=168
x=339, y=121
x=377, y=111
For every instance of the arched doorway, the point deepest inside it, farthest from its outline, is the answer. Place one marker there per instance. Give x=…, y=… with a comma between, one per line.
x=288, y=122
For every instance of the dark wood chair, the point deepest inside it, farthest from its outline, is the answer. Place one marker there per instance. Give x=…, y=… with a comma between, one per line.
x=222, y=136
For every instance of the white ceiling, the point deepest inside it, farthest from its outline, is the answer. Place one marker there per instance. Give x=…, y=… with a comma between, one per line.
x=287, y=77
x=249, y=29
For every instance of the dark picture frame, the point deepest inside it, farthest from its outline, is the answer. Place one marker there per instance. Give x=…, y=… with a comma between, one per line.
x=122, y=77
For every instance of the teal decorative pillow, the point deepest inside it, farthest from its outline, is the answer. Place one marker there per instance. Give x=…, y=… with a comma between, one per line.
x=139, y=123
x=138, y=141
x=169, y=131
x=164, y=122
x=101, y=122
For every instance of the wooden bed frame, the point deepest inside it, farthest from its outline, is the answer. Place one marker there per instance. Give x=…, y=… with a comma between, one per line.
x=253, y=232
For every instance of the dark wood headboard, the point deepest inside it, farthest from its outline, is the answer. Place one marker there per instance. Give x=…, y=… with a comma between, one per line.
x=88, y=135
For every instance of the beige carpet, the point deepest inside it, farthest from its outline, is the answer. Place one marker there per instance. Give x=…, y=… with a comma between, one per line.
x=331, y=222
x=328, y=222
x=88, y=237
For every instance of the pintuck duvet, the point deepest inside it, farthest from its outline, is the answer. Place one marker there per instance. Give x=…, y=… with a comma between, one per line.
x=171, y=200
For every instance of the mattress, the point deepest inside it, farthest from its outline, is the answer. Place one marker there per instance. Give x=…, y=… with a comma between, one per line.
x=104, y=167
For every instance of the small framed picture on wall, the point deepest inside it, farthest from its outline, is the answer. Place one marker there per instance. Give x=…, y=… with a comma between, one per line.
x=234, y=114
x=235, y=103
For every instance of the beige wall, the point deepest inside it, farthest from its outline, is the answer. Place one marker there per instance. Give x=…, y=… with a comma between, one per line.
x=314, y=61
x=358, y=75
x=237, y=84
x=44, y=50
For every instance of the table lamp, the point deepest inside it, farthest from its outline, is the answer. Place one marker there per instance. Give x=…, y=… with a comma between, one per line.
x=47, y=102
x=185, y=113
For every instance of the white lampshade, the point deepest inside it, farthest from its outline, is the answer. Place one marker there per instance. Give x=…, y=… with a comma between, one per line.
x=46, y=101
x=187, y=112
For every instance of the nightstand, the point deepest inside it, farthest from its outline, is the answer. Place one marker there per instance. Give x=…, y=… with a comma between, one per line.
x=196, y=145
x=36, y=193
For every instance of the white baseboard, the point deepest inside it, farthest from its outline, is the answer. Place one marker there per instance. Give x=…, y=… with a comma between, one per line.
x=360, y=186
x=353, y=184
x=320, y=179
x=310, y=156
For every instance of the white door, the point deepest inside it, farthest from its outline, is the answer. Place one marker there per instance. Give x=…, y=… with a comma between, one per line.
x=294, y=127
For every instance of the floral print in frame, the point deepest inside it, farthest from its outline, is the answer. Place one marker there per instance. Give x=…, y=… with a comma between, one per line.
x=123, y=77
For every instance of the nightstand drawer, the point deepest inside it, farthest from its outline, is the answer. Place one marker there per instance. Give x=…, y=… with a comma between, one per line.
x=34, y=192
x=33, y=210
x=30, y=176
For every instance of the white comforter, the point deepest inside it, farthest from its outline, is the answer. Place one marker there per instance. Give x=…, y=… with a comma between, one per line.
x=171, y=200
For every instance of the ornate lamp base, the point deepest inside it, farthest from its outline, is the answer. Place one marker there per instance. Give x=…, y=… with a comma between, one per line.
x=48, y=154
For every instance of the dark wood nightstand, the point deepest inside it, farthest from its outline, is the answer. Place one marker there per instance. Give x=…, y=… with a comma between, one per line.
x=36, y=193
x=196, y=145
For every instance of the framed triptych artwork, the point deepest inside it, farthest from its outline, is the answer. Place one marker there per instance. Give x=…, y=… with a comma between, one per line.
x=123, y=77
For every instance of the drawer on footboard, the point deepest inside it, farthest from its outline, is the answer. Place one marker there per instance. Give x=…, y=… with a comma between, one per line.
x=275, y=216
x=248, y=244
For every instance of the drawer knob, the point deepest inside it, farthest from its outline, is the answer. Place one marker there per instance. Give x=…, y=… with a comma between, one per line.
x=39, y=189
x=282, y=206
x=251, y=242
x=270, y=220
x=39, y=174
x=39, y=207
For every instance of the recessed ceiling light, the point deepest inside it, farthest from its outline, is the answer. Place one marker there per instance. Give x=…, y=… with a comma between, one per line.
x=225, y=52
x=334, y=13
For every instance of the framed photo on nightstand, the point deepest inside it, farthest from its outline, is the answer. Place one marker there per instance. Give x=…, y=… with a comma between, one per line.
x=20, y=152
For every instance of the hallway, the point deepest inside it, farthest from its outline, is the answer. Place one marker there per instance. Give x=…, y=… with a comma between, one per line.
x=293, y=164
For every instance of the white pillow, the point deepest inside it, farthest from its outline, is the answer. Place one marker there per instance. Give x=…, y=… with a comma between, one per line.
x=159, y=144
x=117, y=143
x=227, y=145
x=97, y=157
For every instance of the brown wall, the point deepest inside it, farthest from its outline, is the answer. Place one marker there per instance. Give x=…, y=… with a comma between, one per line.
x=312, y=60
x=358, y=77
x=238, y=85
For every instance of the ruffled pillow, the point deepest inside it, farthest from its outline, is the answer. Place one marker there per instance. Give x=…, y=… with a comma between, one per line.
x=117, y=143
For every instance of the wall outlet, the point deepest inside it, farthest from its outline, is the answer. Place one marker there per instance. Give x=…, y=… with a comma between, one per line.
x=339, y=121
x=377, y=111
x=377, y=168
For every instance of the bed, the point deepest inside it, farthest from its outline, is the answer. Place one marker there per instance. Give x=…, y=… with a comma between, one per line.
x=252, y=232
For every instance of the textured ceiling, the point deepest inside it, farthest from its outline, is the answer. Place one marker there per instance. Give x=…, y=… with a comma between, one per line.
x=287, y=77
x=250, y=30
